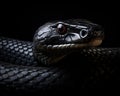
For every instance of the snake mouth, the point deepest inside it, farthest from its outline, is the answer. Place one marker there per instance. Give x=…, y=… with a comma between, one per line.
x=92, y=43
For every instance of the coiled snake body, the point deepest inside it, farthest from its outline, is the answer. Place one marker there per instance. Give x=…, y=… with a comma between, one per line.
x=63, y=54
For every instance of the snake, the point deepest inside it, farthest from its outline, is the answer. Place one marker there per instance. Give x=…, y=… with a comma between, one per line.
x=64, y=54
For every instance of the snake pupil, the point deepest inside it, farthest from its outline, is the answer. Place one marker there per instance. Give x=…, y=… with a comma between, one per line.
x=61, y=29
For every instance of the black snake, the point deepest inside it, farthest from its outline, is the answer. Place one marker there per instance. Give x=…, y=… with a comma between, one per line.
x=63, y=55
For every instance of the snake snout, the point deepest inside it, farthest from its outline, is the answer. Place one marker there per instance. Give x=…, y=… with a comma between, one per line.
x=97, y=36
x=98, y=32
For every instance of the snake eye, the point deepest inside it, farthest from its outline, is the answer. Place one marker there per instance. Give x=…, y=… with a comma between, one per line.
x=83, y=33
x=61, y=29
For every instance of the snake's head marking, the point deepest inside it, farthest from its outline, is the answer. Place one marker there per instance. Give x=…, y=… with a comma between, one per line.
x=67, y=34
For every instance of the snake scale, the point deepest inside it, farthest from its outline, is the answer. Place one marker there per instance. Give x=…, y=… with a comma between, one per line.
x=63, y=55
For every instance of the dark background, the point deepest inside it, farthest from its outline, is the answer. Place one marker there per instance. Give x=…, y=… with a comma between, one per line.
x=20, y=20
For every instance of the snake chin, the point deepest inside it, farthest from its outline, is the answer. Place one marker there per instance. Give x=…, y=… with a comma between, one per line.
x=95, y=42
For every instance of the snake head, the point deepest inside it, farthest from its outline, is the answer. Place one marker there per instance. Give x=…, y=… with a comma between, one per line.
x=67, y=35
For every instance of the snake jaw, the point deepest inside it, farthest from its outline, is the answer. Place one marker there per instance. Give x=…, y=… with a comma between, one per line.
x=51, y=54
x=95, y=42
x=92, y=43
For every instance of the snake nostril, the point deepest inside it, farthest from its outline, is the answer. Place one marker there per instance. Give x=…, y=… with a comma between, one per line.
x=83, y=33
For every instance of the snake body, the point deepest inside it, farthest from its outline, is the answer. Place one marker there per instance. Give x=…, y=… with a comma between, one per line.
x=47, y=63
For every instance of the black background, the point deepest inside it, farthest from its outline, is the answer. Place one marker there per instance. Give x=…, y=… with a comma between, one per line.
x=20, y=20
